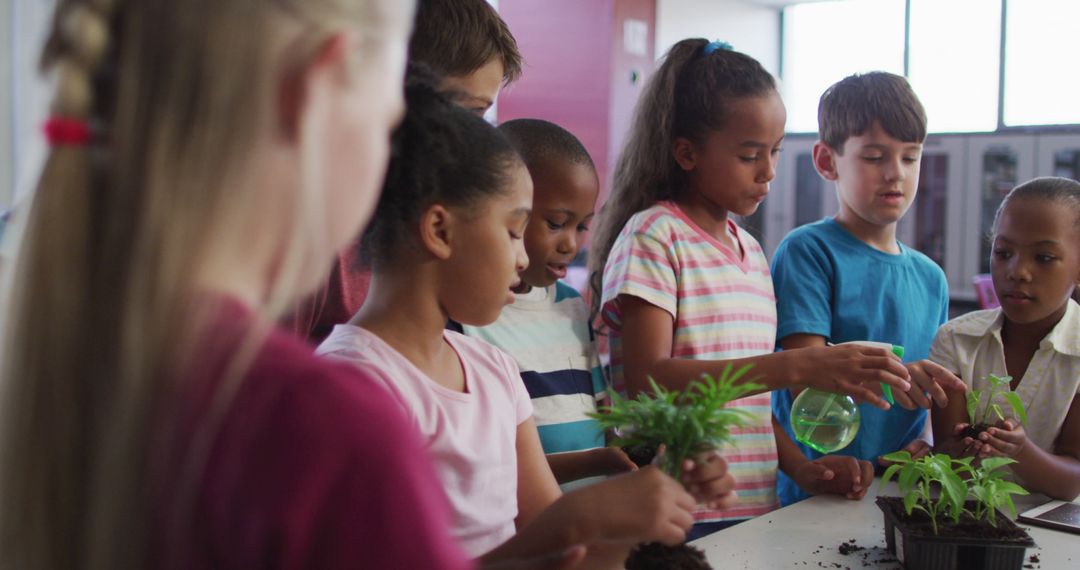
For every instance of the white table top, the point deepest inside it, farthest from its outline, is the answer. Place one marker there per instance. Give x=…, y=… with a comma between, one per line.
x=809, y=534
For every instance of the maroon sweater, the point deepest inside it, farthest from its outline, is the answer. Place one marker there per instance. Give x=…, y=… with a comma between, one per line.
x=313, y=466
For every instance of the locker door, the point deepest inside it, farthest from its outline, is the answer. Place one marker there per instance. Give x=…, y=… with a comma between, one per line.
x=1058, y=155
x=795, y=195
x=934, y=223
x=996, y=164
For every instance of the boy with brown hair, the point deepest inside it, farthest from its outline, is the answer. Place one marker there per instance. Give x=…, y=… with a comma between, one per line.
x=470, y=46
x=847, y=278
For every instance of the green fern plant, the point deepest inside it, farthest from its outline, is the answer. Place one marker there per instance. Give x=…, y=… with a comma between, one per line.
x=999, y=385
x=687, y=423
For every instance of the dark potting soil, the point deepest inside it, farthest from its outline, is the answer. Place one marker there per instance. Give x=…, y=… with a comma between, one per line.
x=641, y=455
x=919, y=524
x=848, y=547
x=656, y=556
x=973, y=431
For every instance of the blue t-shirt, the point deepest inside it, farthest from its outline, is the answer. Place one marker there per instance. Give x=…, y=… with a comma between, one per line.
x=830, y=283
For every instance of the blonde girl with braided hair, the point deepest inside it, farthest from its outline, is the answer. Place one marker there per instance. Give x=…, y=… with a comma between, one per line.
x=206, y=156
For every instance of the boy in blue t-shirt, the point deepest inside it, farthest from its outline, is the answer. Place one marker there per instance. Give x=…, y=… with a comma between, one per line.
x=546, y=329
x=847, y=278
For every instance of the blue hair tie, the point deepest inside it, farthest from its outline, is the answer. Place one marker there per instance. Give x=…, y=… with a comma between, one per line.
x=715, y=45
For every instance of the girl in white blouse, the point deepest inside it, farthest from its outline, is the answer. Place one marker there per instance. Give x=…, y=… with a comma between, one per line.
x=1034, y=337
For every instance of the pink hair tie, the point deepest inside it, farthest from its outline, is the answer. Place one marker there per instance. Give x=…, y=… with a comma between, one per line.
x=67, y=132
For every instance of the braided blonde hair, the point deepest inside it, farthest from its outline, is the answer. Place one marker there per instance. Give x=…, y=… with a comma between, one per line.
x=103, y=303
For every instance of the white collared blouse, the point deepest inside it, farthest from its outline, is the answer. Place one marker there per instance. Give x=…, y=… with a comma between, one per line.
x=970, y=346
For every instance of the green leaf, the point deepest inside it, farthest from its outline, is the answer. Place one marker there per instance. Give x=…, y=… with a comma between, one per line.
x=973, y=397
x=993, y=463
x=909, y=502
x=1009, y=488
x=889, y=473
x=907, y=478
x=1017, y=406
x=997, y=411
x=898, y=457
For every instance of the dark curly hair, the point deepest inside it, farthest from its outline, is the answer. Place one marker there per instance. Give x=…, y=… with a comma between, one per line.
x=441, y=154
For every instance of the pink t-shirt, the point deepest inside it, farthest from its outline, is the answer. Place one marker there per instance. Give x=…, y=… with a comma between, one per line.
x=312, y=465
x=471, y=435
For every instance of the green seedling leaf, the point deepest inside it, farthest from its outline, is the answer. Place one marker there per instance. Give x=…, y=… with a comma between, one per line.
x=1017, y=406
x=909, y=502
x=973, y=397
x=997, y=411
x=898, y=457
x=991, y=464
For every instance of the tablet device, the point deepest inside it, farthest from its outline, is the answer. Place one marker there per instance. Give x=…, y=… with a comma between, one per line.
x=1059, y=515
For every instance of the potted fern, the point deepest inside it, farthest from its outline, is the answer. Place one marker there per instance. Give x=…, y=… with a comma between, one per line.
x=947, y=515
x=687, y=424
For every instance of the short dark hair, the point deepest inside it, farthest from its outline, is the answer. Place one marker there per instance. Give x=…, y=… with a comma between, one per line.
x=539, y=141
x=441, y=154
x=851, y=106
x=457, y=37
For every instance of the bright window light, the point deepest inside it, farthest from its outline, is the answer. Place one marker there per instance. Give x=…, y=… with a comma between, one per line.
x=827, y=41
x=1042, y=86
x=954, y=74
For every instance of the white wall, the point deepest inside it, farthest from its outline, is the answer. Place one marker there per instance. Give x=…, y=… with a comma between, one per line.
x=750, y=28
x=32, y=94
x=7, y=170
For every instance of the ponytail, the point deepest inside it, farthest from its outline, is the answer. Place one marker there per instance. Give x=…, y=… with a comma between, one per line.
x=686, y=97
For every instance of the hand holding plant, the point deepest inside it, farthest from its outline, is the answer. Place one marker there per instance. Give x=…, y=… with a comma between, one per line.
x=1007, y=439
x=980, y=403
x=706, y=477
x=611, y=461
x=688, y=424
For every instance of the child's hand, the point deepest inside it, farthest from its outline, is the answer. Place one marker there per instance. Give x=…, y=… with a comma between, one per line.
x=854, y=370
x=835, y=475
x=1007, y=439
x=964, y=446
x=640, y=506
x=928, y=380
x=708, y=480
x=610, y=461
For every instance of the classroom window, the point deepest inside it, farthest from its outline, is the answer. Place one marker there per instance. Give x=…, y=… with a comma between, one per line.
x=1041, y=79
x=956, y=75
x=827, y=41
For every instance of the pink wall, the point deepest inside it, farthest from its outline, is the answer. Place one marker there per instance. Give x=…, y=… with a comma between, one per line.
x=576, y=73
x=625, y=91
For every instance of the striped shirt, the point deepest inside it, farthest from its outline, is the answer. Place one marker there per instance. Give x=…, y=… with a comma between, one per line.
x=723, y=307
x=547, y=332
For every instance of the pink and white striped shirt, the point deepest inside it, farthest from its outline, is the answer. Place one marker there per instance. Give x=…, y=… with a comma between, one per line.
x=723, y=305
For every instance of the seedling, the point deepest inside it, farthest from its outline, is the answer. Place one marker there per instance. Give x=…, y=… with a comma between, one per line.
x=959, y=480
x=687, y=423
x=991, y=491
x=999, y=385
x=917, y=477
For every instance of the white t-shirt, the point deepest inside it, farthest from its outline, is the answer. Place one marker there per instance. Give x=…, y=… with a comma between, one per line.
x=470, y=435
